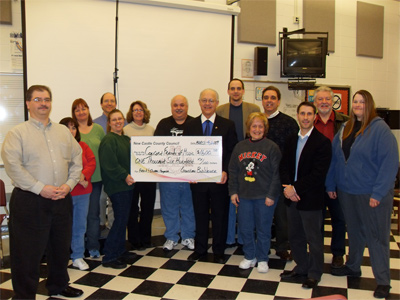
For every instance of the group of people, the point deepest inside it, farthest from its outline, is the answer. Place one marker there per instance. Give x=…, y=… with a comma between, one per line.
x=274, y=171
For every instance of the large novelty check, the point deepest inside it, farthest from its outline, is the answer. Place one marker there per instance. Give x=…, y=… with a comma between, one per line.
x=176, y=158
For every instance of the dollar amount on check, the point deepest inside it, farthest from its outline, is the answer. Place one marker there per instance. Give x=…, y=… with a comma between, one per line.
x=176, y=158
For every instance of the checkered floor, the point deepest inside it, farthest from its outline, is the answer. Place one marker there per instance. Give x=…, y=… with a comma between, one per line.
x=155, y=274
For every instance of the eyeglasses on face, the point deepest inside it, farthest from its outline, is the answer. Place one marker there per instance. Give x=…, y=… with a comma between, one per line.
x=138, y=110
x=204, y=101
x=40, y=100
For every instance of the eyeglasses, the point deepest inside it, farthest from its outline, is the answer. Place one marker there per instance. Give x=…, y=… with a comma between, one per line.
x=204, y=101
x=40, y=100
x=138, y=110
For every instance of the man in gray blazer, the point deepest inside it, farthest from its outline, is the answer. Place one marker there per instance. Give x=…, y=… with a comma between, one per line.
x=238, y=111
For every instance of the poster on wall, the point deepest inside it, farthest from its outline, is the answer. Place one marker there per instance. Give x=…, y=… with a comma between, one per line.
x=16, y=51
x=247, y=68
x=340, y=100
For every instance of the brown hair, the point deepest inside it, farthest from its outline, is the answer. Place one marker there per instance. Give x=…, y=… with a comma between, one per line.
x=69, y=121
x=251, y=119
x=81, y=102
x=306, y=103
x=272, y=88
x=146, y=117
x=34, y=88
x=115, y=110
x=369, y=114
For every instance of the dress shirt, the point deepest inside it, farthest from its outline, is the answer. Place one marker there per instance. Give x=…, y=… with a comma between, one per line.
x=35, y=155
x=211, y=119
x=301, y=142
x=102, y=121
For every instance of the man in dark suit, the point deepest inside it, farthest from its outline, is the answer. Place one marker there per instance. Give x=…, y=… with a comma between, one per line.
x=211, y=196
x=304, y=165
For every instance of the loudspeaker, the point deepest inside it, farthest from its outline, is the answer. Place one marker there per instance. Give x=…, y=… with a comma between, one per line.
x=261, y=61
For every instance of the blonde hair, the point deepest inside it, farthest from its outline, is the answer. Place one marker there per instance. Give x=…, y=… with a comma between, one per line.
x=251, y=119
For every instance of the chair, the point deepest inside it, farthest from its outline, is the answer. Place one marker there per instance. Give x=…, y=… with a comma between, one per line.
x=3, y=204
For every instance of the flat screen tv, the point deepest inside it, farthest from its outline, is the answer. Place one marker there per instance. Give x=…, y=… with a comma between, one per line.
x=303, y=57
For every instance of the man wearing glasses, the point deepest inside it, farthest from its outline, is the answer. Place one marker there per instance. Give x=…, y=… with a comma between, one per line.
x=44, y=162
x=212, y=197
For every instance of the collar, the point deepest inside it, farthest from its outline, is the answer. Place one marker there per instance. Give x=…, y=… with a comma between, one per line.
x=273, y=115
x=307, y=134
x=37, y=123
x=212, y=118
x=331, y=118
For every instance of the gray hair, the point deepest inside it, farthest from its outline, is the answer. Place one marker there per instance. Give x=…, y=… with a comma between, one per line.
x=324, y=88
x=208, y=89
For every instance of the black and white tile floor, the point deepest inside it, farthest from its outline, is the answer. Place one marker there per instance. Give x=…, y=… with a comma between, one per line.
x=155, y=274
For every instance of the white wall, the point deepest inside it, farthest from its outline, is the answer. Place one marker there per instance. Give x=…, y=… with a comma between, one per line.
x=379, y=76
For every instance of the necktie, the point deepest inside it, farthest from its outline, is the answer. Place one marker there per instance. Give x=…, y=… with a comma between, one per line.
x=207, y=130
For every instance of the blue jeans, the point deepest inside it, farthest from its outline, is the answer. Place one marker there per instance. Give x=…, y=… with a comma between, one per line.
x=177, y=210
x=254, y=214
x=114, y=246
x=231, y=235
x=93, y=218
x=79, y=218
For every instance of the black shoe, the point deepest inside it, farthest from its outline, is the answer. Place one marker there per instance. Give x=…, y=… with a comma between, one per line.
x=230, y=245
x=195, y=256
x=138, y=247
x=71, y=292
x=148, y=245
x=337, y=261
x=291, y=274
x=127, y=257
x=284, y=255
x=219, y=258
x=310, y=283
x=382, y=291
x=115, y=264
x=345, y=271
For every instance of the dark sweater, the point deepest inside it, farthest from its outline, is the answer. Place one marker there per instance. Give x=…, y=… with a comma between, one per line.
x=115, y=153
x=280, y=127
x=168, y=126
x=254, y=170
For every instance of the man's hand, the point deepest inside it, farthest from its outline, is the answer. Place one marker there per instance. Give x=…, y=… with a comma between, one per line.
x=290, y=193
x=55, y=193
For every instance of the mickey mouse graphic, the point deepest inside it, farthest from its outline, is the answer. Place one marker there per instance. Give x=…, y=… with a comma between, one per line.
x=249, y=172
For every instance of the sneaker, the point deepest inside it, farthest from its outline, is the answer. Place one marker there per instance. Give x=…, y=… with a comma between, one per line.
x=169, y=245
x=80, y=264
x=188, y=243
x=262, y=267
x=382, y=291
x=245, y=263
x=94, y=253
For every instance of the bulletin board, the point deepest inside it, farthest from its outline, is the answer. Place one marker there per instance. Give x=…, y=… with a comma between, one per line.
x=341, y=101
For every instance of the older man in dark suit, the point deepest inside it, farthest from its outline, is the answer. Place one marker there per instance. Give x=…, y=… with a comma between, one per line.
x=305, y=163
x=211, y=196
